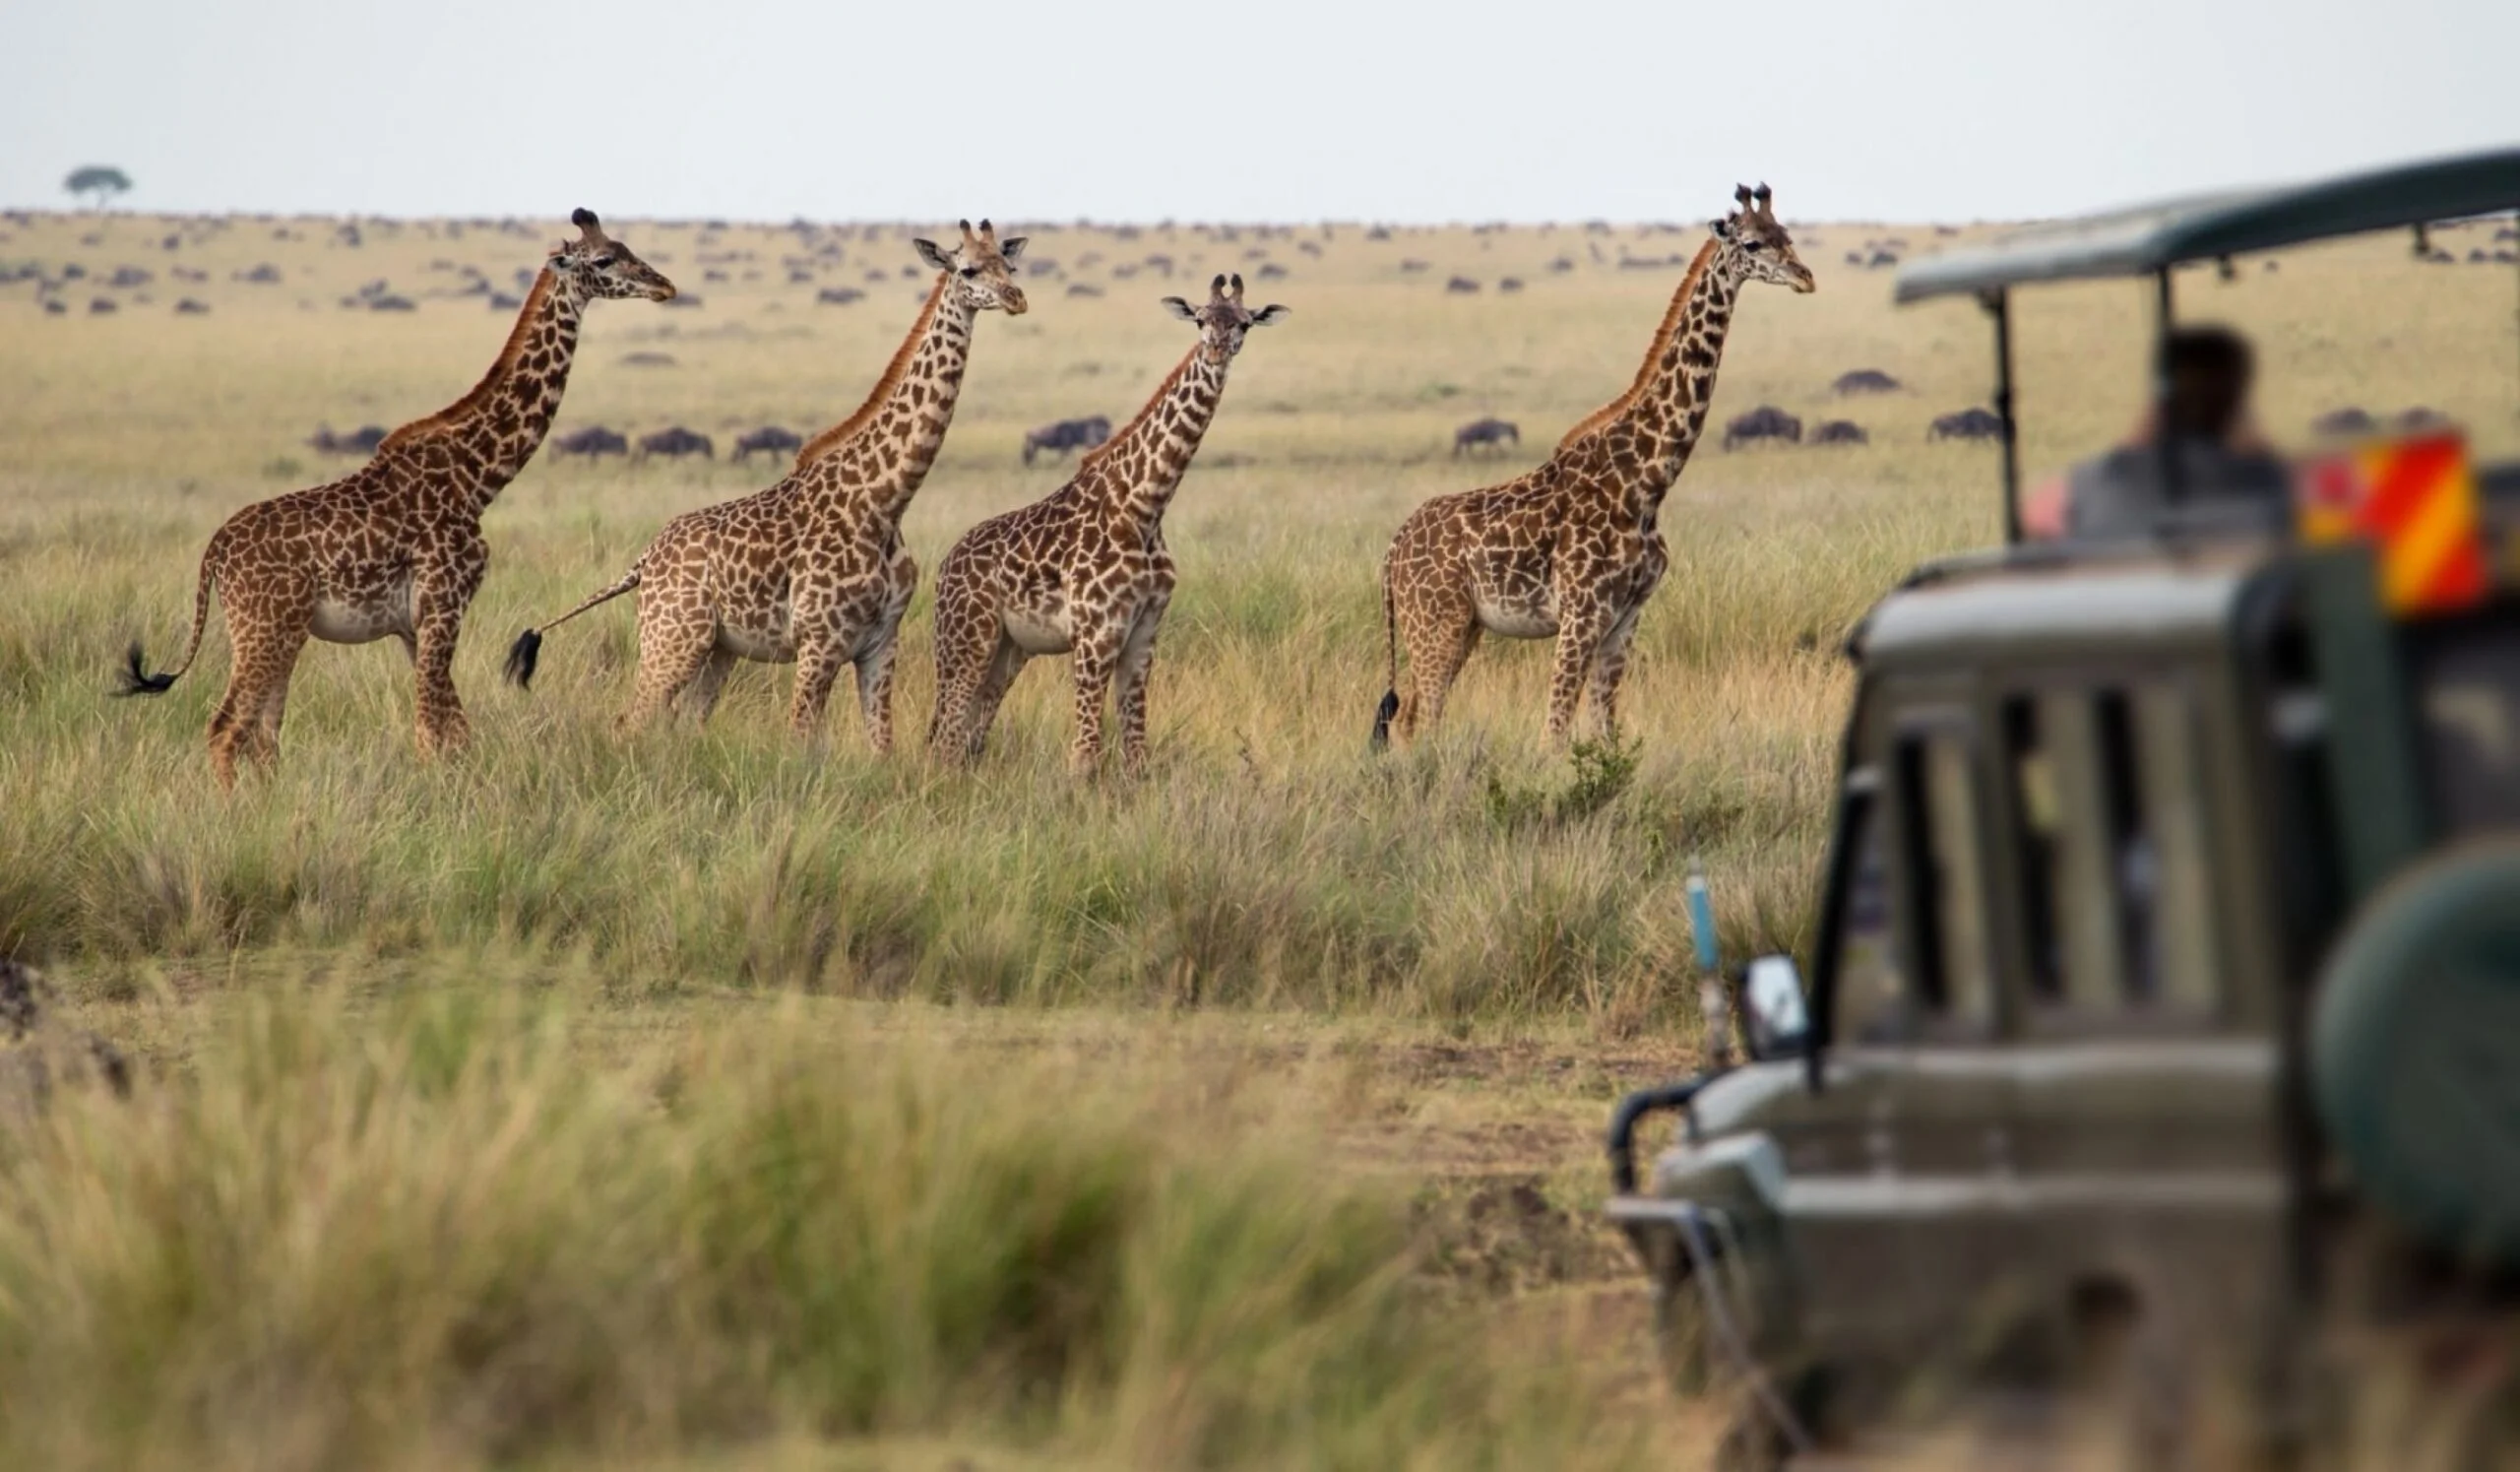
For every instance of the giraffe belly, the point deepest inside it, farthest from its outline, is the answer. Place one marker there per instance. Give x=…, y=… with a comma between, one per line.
x=1516, y=619
x=768, y=647
x=1038, y=632
x=342, y=621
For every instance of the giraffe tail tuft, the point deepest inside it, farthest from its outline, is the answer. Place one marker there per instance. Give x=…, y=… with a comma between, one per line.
x=522, y=656
x=1390, y=707
x=136, y=678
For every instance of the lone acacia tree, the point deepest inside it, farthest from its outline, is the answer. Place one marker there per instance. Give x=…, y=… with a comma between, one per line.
x=100, y=180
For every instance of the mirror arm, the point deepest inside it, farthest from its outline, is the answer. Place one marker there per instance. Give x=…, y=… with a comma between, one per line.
x=1632, y=1110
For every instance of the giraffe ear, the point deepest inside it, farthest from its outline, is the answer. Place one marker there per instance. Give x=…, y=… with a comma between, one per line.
x=1179, y=308
x=1270, y=314
x=1012, y=247
x=1723, y=228
x=933, y=254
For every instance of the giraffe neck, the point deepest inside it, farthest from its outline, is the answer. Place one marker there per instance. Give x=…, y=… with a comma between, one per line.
x=1142, y=466
x=487, y=436
x=879, y=456
x=1648, y=432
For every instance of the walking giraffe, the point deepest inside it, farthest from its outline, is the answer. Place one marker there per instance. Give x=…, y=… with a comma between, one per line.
x=1572, y=549
x=812, y=569
x=395, y=547
x=1084, y=568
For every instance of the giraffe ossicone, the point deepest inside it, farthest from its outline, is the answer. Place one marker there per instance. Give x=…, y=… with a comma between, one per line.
x=1572, y=549
x=395, y=547
x=812, y=570
x=1084, y=571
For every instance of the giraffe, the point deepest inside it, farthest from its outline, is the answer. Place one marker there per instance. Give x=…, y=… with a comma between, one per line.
x=812, y=569
x=1084, y=569
x=1571, y=550
x=395, y=547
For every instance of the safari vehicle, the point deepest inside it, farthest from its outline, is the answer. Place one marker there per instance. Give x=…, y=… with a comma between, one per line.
x=2165, y=990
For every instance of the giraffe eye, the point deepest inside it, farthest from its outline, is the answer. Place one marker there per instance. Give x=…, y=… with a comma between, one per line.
x=604, y=261
x=1754, y=246
x=970, y=271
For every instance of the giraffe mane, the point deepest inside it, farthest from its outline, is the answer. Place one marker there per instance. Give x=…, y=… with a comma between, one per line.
x=1660, y=345
x=518, y=338
x=840, y=433
x=1093, y=459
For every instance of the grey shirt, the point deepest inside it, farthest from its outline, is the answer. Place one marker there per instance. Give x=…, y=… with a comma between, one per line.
x=2122, y=494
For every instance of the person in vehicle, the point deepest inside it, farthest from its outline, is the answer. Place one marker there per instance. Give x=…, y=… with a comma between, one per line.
x=2225, y=470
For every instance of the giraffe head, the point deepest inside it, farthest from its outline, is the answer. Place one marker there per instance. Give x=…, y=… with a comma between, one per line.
x=596, y=265
x=1752, y=245
x=1225, y=320
x=983, y=268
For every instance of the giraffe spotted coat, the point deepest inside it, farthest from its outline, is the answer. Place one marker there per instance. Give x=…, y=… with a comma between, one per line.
x=395, y=549
x=812, y=570
x=1572, y=549
x=1084, y=570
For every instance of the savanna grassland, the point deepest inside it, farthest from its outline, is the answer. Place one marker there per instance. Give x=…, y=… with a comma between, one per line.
x=701, y=1098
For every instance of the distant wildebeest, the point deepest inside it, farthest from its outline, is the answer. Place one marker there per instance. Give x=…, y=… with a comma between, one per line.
x=1865, y=381
x=1067, y=434
x=769, y=439
x=1841, y=432
x=1882, y=258
x=839, y=295
x=1968, y=423
x=1479, y=434
x=675, y=443
x=2409, y=420
x=592, y=441
x=1767, y=421
x=1462, y=284
x=2348, y=421
x=101, y=305
x=1412, y=266
x=1510, y=283
x=647, y=357
x=360, y=441
x=1083, y=288
x=190, y=308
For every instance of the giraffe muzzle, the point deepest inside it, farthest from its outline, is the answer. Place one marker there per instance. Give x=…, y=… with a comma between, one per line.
x=1012, y=298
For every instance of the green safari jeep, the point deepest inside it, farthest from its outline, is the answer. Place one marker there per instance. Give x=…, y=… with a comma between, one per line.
x=2166, y=991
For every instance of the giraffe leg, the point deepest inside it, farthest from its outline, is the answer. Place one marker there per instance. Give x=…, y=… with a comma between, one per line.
x=1439, y=641
x=674, y=650
x=818, y=665
x=263, y=657
x=981, y=709
x=700, y=696
x=1098, y=657
x=1137, y=662
x=440, y=713
x=262, y=737
x=1609, y=667
x=875, y=694
x=1581, y=632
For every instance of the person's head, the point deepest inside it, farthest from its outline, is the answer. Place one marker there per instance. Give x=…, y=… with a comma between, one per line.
x=2209, y=371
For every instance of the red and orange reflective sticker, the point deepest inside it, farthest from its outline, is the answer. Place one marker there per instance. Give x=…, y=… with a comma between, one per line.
x=2415, y=501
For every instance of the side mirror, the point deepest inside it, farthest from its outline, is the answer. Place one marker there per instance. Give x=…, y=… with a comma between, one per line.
x=1775, y=1022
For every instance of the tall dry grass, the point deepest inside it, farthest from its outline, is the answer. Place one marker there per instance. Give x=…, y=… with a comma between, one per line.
x=464, y=1225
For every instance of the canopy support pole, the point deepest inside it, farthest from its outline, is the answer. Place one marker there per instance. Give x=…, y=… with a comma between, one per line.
x=1998, y=305
x=2165, y=322
x=2515, y=222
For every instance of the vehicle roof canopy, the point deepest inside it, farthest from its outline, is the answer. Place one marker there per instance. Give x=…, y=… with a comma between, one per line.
x=2155, y=237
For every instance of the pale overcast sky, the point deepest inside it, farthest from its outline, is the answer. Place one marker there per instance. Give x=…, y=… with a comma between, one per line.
x=1305, y=109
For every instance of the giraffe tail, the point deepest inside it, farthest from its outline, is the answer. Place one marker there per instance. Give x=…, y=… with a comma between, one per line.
x=136, y=678
x=527, y=652
x=1390, y=706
